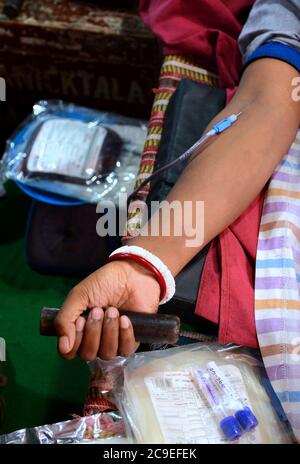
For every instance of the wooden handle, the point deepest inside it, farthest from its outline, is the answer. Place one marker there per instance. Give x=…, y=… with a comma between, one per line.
x=148, y=328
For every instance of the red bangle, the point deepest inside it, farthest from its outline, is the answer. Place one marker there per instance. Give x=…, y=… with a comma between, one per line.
x=139, y=259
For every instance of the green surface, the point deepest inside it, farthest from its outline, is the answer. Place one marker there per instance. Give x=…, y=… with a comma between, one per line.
x=41, y=387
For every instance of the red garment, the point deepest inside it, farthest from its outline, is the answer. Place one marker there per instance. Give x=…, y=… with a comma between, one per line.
x=226, y=292
x=208, y=30
x=203, y=29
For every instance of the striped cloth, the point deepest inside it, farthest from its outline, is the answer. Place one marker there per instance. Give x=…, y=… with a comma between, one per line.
x=174, y=68
x=277, y=284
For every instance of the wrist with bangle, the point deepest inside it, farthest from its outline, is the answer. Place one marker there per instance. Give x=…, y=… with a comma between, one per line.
x=151, y=262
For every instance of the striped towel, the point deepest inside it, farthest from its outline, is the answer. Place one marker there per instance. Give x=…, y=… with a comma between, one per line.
x=277, y=284
x=277, y=292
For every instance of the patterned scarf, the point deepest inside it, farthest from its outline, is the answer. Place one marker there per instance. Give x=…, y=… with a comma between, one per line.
x=277, y=284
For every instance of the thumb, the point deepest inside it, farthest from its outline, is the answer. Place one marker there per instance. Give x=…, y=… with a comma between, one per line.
x=65, y=322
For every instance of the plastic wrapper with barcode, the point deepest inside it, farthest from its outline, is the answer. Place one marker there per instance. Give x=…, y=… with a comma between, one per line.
x=200, y=394
x=75, y=152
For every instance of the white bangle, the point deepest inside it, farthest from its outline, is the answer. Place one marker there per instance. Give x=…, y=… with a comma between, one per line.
x=155, y=261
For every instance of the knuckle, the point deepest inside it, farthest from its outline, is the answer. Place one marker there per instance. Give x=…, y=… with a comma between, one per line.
x=87, y=355
x=106, y=356
x=76, y=292
x=127, y=352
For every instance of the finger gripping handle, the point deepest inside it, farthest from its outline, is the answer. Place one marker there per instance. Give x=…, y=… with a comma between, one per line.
x=148, y=328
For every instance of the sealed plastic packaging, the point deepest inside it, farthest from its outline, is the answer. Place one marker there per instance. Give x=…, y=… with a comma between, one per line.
x=75, y=152
x=106, y=428
x=105, y=381
x=199, y=394
x=102, y=422
x=193, y=394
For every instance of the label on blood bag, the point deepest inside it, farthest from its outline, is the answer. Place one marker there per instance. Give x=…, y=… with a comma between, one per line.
x=66, y=147
x=183, y=413
x=178, y=407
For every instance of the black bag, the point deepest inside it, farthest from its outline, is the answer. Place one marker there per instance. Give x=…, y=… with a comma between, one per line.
x=191, y=108
x=62, y=240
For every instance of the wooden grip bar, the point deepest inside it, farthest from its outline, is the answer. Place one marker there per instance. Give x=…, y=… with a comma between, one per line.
x=148, y=328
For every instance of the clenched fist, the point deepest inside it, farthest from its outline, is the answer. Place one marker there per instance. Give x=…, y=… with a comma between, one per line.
x=119, y=284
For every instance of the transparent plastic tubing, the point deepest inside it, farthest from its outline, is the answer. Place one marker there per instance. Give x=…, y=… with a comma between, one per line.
x=216, y=130
x=181, y=158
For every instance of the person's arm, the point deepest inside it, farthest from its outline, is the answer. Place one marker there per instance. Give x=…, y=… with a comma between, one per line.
x=227, y=176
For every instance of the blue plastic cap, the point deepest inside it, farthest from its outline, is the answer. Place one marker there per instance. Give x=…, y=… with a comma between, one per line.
x=246, y=419
x=224, y=124
x=231, y=428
